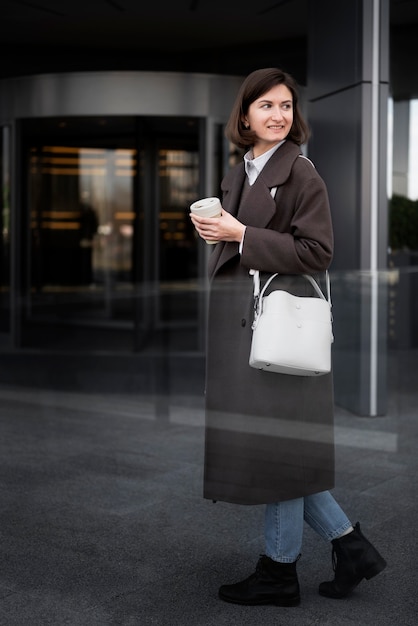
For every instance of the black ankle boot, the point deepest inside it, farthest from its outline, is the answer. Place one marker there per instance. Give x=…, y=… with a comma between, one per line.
x=353, y=558
x=271, y=583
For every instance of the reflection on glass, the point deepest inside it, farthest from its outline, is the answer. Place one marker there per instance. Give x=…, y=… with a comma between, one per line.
x=413, y=151
x=178, y=184
x=81, y=215
x=5, y=231
x=111, y=242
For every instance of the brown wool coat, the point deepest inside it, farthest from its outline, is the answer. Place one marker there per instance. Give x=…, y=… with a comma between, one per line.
x=269, y=437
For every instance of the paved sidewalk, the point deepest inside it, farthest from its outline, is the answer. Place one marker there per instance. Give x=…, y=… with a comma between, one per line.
x=102, y=522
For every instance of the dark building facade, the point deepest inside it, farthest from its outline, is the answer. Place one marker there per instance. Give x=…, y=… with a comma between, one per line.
x=112, y=125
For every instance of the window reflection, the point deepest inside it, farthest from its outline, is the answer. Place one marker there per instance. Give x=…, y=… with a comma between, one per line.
x=5, y=217
x=178, y=184
x=403, y=225
x=413, y=151
x=81, y=215
x=111, y=244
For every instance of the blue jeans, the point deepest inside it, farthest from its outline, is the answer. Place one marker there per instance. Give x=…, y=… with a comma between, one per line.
x=284, y=524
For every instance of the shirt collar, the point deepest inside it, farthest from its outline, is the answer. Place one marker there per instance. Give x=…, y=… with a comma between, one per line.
x=253, y=166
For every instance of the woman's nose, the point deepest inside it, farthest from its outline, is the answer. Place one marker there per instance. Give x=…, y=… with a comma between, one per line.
x=277, y=113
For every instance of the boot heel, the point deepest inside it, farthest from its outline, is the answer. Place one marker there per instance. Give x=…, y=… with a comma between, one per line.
x=376, y=569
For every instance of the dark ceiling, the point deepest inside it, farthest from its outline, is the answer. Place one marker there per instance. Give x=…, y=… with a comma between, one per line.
x=216, y=36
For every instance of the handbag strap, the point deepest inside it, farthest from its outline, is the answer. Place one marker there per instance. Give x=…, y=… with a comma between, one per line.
x=258, y=296
x=256, y=274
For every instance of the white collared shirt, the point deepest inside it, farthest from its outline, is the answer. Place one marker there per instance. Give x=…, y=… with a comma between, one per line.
x=253, y=166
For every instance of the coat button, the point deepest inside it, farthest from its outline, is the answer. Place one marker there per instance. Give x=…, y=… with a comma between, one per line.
x=243, y=322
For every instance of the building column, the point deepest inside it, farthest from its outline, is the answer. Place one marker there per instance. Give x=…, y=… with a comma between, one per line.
x=348, y=93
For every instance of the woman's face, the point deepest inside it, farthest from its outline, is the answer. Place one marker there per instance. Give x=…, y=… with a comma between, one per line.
x=271, y=118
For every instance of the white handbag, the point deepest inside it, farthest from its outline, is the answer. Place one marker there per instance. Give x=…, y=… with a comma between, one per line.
x=291, y=334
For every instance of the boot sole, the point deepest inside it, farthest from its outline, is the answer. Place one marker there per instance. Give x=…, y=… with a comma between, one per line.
x=275, y=602
x=371, y=573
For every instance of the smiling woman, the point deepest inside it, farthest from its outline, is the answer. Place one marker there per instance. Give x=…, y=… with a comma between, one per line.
x=270, y=439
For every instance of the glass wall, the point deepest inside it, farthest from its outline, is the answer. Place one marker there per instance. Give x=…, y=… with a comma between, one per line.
x=403, y=225
x=111, y=258
x=5, y=231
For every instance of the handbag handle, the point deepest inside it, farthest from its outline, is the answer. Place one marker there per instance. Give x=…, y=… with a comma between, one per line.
x=258, y=297
x=257, y=294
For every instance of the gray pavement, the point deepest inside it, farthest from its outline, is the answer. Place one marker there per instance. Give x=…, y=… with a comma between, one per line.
x=102, y=521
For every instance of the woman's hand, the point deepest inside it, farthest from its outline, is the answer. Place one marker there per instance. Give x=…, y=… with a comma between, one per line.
x=223, y=228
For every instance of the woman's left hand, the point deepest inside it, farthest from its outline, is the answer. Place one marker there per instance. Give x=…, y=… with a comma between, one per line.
x=223, y=228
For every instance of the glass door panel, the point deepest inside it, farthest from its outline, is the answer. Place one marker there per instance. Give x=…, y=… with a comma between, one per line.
x=5, y=219
x=112, y=257
x=178, y=187
x=81, y=234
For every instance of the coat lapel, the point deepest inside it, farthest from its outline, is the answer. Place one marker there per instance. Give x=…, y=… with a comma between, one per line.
x=259, y=207
x=231, y=189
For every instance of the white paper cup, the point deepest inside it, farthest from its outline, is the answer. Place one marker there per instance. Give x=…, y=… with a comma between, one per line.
x=207, y=207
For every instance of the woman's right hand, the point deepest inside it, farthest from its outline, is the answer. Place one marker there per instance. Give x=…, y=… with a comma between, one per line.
x=223, y=228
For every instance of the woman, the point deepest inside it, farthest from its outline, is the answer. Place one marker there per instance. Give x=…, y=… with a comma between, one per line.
x=269, y=437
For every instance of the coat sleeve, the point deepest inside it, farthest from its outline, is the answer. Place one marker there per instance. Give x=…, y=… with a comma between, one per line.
x=299, y=239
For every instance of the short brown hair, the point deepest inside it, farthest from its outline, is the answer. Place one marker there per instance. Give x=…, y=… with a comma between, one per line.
x=254, y=86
